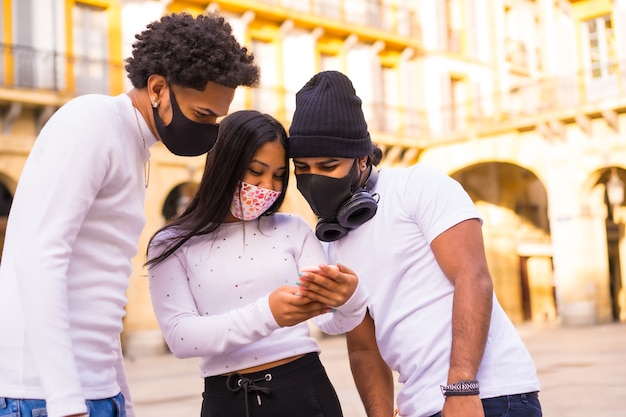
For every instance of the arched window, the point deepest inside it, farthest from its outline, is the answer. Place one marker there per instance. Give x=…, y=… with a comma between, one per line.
x=178, y=199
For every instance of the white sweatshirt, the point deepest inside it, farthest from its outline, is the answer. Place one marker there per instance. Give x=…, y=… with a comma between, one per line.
x=73, y=228
x=211, y=296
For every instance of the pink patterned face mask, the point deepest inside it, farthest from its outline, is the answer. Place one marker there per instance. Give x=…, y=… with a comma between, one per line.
x=250, y=201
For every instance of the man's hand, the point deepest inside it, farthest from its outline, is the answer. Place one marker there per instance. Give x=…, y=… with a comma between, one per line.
x=463, y=406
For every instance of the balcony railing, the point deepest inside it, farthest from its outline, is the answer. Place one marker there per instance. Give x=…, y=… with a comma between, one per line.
x=27, y=68
x=47, y=70
x=393, y=18
x=559, y=96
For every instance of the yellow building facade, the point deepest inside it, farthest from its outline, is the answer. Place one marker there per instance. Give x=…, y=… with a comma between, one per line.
x=521, y=101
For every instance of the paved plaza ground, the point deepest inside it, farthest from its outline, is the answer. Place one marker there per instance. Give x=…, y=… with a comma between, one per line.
x=582, y=372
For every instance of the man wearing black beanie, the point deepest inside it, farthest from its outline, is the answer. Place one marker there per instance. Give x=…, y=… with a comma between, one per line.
x=413, y=235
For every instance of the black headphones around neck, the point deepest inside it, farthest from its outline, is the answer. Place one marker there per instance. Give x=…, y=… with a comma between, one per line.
x=359, y=208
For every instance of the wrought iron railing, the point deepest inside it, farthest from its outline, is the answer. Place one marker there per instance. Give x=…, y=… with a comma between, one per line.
x=586, y=91
x=393, y=18
x=23, y=66
x=28, y=68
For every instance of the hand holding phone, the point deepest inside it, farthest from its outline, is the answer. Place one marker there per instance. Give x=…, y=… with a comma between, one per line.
x=332, y=285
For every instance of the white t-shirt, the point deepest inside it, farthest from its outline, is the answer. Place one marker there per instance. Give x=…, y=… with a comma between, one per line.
x=411, y=298
x=73, y=228
x=211, y=296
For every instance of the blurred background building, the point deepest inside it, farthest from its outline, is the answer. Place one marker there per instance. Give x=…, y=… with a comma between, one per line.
x=521, y=101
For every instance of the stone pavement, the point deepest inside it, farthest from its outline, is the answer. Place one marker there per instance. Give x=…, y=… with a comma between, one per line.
x=582, y=372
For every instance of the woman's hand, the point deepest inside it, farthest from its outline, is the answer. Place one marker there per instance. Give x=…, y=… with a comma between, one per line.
x=331, y=285
x=289, y=307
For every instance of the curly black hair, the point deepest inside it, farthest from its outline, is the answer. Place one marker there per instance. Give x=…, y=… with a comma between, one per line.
x=190, y=52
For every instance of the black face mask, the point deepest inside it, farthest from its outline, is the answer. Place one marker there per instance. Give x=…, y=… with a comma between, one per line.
x=325, y=194
x=182, y=136
x=338, y=203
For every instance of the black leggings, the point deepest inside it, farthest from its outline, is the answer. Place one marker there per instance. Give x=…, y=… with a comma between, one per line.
x=299, y=388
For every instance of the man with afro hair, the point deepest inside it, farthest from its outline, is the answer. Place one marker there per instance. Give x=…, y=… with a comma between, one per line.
x=78, y=211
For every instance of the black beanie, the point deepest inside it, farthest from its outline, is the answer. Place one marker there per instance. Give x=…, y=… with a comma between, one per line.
x=328, y=120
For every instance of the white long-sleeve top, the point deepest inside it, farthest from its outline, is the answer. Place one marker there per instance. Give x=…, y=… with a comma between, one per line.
x=211, y=296
x=72, y=230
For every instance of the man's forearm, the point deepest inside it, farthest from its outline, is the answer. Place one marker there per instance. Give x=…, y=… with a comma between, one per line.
x=374, y=381
x=471, y=316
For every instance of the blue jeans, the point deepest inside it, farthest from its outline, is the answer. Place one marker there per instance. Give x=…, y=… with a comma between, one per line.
x=108, y=407
x=520, y=405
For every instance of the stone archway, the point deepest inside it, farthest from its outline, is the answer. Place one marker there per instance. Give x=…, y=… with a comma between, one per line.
x=514, y=206
x=178, y=199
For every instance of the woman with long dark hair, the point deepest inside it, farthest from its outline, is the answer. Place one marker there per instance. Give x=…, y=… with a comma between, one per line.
x=234, y=282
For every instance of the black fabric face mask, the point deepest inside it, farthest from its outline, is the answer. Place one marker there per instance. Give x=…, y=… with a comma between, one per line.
x=339, y=203
x=326, y=194
x=183, y=136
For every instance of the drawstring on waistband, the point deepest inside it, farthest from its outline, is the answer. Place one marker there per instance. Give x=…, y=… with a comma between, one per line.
x=236, y=382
